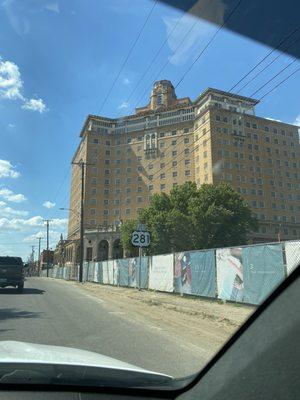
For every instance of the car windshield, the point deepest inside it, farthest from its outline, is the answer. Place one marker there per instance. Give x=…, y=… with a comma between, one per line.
x=149, y=181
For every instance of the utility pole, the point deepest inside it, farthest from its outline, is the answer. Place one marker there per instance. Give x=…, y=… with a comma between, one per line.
x=82, y=165
x=39, y=259
x=31, y=264
x=47, y=224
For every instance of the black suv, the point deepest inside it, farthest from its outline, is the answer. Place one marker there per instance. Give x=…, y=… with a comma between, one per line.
x=11, y=272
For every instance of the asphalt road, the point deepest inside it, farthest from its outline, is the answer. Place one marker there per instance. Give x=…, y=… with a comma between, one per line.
x=53, y=312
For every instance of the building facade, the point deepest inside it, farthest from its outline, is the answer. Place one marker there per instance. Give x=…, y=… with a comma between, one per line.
x=216, y=138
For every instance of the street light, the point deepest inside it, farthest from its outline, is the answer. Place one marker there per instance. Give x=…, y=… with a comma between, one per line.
x=80, y=216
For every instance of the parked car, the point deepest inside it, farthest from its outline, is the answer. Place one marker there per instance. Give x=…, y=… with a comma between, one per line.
x=12, y=272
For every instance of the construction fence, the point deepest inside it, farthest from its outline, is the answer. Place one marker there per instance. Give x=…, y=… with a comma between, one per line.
x=246, y=274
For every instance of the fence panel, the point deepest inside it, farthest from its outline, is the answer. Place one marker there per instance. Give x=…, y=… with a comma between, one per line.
x=161, y=274
x=123, y=271
x=194, y=273
x=230, y=279
x=108, y=273
x=292, y=253
x=263, y=271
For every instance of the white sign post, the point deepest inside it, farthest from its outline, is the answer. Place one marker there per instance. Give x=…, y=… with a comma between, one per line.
x=140, y=238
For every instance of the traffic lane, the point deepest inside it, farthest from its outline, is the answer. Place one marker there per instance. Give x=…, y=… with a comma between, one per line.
x=53, y=312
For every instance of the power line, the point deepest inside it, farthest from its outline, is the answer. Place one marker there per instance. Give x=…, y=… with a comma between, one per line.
x=278, y=84
x=209, y=42
x=167, y=62
x=273, y=77
x=127, y=57
x=154, y=58
x=267, y=66
x=265, y=57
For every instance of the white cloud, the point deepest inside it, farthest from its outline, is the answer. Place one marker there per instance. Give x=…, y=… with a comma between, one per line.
x=10, y=125
x=123, y=105
x=33, y=237
x=297, y=121
x=6, y=211
x=9, y=195
x=48, y=204
x=11, y=86
x=7, y=170
x=126, y=81
x=10, y=81
x=181, y=53
x=34, y=105
x=53, y=7
x=21, y=224
x=273, y=119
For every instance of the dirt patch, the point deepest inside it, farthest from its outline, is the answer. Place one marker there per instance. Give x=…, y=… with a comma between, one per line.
x=201, y=325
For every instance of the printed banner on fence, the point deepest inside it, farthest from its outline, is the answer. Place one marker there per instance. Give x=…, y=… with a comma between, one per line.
x=263, y=271
x=194, y=273
x=292, y=254
x=123, y=265
x=230, y=274
x=161, y=273
x=108, y=272
x=98, y=273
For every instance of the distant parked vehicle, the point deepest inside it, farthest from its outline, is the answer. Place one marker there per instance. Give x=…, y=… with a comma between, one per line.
x=12, y=272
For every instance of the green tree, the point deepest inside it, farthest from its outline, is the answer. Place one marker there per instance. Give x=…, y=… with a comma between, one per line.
x=188, y=218
x=127, y=228
x=221, y=217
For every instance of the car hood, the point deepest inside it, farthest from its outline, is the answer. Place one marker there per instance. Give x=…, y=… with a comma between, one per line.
x=65, y=365
x=23, y=352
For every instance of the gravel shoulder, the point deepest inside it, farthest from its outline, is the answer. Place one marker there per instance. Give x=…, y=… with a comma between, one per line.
x=200, y=324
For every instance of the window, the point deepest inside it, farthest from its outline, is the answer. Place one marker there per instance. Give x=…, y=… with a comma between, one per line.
x=106, y=181
x=127, y=201
x=96, y=141
x=93, y=211
x=174, y=153
x=140, y=179
x=187, y=173
x=128, y=140
x=174, y=163
x=116, y=202
x=139, y=199
x=107, y=152
x=150, y=187
x=139, y=148
x=162, y=186
x=150, y=166
x=186, y=140
x=127, y=211
x=162, y=134
x=105, y=212
x=218, y=118
x=186, y=151
x=162, y=165
x=175, y=174
x=106, y=191
x=162, y=144
x=116, y=212
x=128, y=160
x=186, y=130
x=174, y=133
x=150, y=177
x=276, y=141
x=128, y=180
x=174, y=142
x=254, y=126
x=205, y=154
x=186, y=162
x=140, y=168
x=163, y=176
x=117, y=181
x=128, y=170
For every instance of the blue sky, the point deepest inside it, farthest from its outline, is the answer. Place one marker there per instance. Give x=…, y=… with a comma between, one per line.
x=58, y=60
